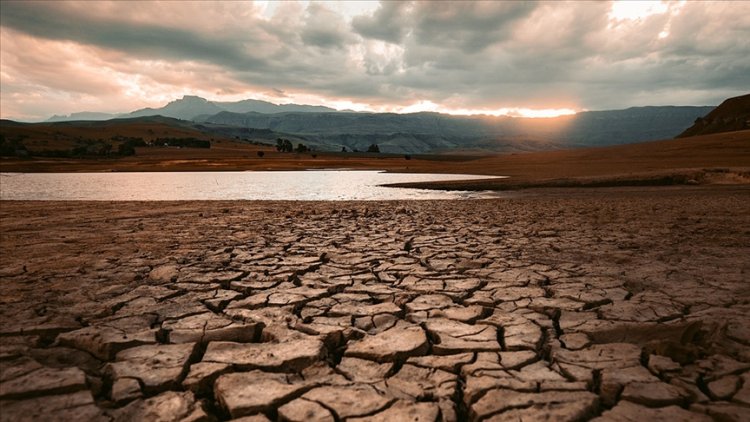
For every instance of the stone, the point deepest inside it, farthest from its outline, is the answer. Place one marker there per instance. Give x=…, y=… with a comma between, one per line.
x=457, y=337
x=653, y=394
x=404, y=411
x=450, y=363
x=570, y=406
x=286, y=356
x=125, y=390
x=206, y=327
x=662, y=364
x=157, y=367
x=364, y=371
x=247, y=393
x=724, y=387
x=202, y=375
x=723, y=411
x=104, y=340
x=742, y=396
x=170, y=406
x=418, y=384
x=626, y=411
x=43, y=381
x=303, y=410
x=398, y=343
x=165, y=273
x=613, y=380
x=349, y=401
x=78, y=406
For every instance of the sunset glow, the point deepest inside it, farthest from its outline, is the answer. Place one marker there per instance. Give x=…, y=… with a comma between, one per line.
x=524, y=59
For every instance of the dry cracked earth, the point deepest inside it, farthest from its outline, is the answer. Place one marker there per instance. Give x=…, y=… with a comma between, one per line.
x=606, y=305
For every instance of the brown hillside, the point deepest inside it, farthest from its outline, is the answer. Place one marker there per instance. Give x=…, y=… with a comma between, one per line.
x=731, y=115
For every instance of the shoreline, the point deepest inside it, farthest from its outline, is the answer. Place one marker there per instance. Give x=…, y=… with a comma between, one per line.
x=709, y=159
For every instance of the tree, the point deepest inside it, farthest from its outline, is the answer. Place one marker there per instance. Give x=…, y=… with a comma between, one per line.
x=343, y=149
x=284, y=145
x=373, y=148
x=301, y=148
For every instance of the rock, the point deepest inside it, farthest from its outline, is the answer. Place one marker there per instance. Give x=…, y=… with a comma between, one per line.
x=580, y=364
x=165, y=273
x=456, y=337
x=519, y=332
x=662, y=364
x=417, y=384
x=286, y=356
x=404, y=411
x=356, y=309
x=43, y=381
x=517, y=359
x=743, y=395
x=450, y=363
x=398, y=343
x=254, y=418
x=653, y=394
x=170, y=406
x=723, y=411
x=125, y=390
x=725, y=387
x=364, y=371
x=105, y=339
x=157, y=367
x=613, y=380
x=220, y=299
x=77, y=406
x=575, y=341
x=208, y=326
x=202, y=375
x=626, y=411
x=247, y=393
x=303, y=410
x=569, y=406
x=349, y=401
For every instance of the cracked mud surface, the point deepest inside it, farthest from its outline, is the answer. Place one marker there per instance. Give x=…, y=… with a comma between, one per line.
x=569, y=305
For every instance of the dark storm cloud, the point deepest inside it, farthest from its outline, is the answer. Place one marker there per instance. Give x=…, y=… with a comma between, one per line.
x=51, y=21
x=388, y=23
x=456, y=54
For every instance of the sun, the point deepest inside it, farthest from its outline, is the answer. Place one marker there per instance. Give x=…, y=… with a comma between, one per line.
x=634, y=10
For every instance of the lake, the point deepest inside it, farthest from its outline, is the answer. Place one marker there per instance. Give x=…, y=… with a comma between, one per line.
x=313, y=185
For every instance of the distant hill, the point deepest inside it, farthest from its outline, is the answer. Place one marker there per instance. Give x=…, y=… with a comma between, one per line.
x=326, y=129
x=731, y=115
x=190, y=106
x=435, y=132
x=85, y=115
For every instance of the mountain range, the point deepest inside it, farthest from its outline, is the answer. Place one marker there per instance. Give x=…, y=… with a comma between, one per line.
x=324, y=128
x=191, y=106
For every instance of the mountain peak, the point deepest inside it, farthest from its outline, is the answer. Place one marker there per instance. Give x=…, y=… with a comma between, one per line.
x=192, y=98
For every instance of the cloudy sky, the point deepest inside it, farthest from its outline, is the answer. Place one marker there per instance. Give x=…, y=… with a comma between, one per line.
x=528, y=58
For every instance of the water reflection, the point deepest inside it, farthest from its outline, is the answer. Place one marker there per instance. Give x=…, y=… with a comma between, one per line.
x=333, y=185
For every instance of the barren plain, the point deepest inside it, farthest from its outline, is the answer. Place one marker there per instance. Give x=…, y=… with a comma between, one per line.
x=569, y=304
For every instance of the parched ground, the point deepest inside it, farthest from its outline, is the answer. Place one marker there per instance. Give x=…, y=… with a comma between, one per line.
x=617, y=304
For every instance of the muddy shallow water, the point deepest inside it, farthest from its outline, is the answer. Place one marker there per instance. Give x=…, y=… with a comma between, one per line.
x=313, y=185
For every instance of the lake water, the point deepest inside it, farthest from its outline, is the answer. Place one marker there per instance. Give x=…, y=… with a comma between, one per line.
x=323, y=185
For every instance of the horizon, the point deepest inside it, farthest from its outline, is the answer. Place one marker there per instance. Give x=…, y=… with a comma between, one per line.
x=516, y=59
x=532, y=114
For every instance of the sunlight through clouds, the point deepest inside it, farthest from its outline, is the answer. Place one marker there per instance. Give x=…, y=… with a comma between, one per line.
x=520, y=58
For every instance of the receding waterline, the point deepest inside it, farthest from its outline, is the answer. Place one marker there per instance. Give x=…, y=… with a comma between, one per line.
x=309, y=185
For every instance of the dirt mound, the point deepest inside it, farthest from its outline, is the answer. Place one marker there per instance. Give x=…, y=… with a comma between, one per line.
x=731, y=115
